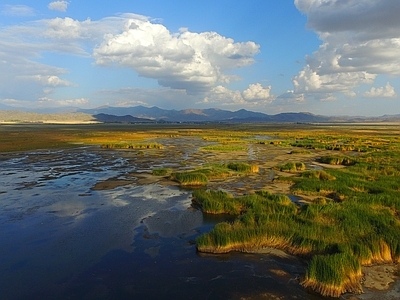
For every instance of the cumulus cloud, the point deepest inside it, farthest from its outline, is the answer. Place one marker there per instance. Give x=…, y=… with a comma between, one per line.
x=185, y=60
x=58, y=5
x=17, y=10
x=360, y=41
x=256, y=92
x=255, y=96
x=386, y=91
x=189, y=65
x=48, y=80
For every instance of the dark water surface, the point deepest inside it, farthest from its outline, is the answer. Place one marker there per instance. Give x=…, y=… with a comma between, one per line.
x=60, y=239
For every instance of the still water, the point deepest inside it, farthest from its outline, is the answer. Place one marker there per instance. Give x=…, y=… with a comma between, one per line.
x=63, y=239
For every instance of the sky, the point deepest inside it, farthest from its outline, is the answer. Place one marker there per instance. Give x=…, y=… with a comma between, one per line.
x=326, y=57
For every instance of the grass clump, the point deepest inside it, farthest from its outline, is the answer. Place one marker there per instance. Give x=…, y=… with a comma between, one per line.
x=132, y=146
x=318, y=174
x=161, y=171
x=224, y=148
x=291, y=167
x=336, y=236
x=333, y=274
x=242, y=167
x=337, y=160
x=190, y=178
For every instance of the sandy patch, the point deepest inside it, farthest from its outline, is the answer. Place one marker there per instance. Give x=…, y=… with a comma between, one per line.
x=379, y=277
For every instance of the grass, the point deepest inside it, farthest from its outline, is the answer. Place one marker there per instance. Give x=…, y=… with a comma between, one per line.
x=291, y=167
x=190, y=178
x=353, y=221
x=132, y=146
x=225, y=148
x=201, y=176
x=161, y=171
x=242, y=167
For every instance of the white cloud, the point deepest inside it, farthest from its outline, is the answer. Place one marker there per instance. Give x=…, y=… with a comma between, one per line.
x=255, y=96
x=58, y=5
x=48, y=81
x=17, y=10
x=73, y=102
x=386, y=91
x=185, y=60
x=309, y=81
x=189, y=65
x=256, y=92
x=360, y=41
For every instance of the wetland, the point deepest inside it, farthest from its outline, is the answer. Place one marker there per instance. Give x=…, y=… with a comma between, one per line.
x=199, y=211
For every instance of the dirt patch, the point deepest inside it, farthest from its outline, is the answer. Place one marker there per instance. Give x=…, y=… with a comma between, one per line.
x=379, y=277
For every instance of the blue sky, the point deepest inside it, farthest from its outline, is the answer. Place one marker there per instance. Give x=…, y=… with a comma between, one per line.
x=329, y=57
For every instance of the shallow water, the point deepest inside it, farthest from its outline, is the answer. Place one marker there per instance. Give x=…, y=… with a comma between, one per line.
x=61, y=239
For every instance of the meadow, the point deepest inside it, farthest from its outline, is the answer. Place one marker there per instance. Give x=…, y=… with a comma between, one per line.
x=347, y=178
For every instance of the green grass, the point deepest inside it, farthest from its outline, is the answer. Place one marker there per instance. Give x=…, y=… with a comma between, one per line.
x=190, y=178
x=353, y=221
x=242, y=167
x=225, y=148
x=291, y=167
x=161, y=171
x=132, y=146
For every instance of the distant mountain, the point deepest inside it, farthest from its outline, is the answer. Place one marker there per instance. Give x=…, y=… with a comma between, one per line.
x=141, y=114
x=105, y=118
x=202, y=115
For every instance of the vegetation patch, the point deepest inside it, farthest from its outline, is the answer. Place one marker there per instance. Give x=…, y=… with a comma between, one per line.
x=242, y=167
x=161, y=171
x=224, y=148
x=337, y=160
x=190, y=178
x=132, y=146
x=291, y=167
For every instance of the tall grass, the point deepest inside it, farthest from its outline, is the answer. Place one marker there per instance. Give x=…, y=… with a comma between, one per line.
x=161, y=171
x=242, y=167
x=337, y=237
x=291, y=167
x=224, y=148
x=132, y=146
x=190, y=178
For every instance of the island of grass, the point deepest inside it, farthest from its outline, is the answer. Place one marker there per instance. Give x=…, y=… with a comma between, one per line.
x=352, y=221
x=202, y=175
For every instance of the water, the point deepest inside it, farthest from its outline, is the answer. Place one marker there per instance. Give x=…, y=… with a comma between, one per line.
x=61, y=239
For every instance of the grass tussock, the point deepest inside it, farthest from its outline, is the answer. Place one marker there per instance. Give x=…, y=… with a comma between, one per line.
x=161, y=171
x=339, y=232
x=291, y=167
x=242, y=167
x=132, y=146
x=337, y=160
x=225, y=148
x=318, y=174
x=190, y=178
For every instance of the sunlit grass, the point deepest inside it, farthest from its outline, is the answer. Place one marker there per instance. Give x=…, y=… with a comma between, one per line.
x=224, y=148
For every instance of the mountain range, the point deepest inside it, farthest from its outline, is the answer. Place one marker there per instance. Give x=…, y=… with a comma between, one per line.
x=218, y=115
x=142, y=114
